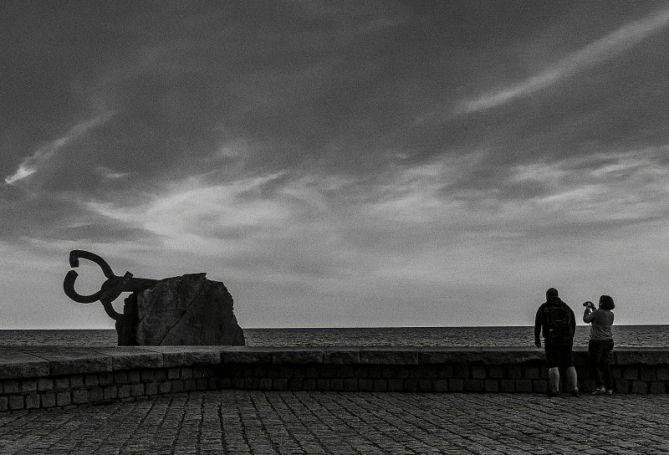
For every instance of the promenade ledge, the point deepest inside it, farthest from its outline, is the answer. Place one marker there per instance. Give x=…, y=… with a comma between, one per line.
x=49, y=377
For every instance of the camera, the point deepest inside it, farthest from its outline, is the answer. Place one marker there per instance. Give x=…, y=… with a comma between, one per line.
x=589, y=304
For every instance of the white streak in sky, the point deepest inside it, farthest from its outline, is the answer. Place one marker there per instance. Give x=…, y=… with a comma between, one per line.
x=31, y=163
x=616, y=42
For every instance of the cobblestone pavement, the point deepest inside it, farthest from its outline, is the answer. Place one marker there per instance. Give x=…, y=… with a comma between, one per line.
x=250, y=422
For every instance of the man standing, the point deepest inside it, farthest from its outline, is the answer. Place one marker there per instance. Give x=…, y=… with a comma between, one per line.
x=557, y=323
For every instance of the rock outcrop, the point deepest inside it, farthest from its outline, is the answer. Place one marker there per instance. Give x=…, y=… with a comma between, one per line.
x=185, y=310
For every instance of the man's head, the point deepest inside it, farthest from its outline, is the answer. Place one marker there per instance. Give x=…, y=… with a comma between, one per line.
x=551, y=293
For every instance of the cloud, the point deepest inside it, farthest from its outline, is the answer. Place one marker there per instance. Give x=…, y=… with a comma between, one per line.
x=605, y=48
x=31, y=164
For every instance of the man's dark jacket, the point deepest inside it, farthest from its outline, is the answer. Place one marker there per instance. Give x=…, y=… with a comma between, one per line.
x=539, y=323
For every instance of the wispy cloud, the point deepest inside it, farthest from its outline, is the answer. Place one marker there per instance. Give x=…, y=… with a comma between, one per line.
x=614, y=43
x=32, y=163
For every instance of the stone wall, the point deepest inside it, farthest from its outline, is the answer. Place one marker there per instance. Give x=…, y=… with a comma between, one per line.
x=33, y=378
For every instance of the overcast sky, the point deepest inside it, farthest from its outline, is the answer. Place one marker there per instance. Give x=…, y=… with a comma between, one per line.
x=335, y=163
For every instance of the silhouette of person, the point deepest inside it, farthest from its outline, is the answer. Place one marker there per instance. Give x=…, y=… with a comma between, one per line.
x=601, y=343
x=556, y=321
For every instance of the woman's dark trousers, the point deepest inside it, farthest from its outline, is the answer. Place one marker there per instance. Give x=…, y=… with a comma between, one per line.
x=599, y=353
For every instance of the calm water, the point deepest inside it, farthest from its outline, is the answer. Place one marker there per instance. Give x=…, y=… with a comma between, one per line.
x=625, y=335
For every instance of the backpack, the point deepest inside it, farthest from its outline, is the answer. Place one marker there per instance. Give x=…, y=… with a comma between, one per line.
x=557, y=320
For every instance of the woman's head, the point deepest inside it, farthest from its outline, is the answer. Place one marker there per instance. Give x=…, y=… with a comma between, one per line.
x=606, y=302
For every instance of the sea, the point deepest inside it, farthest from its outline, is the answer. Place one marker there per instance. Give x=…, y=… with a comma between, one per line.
x=518, y=336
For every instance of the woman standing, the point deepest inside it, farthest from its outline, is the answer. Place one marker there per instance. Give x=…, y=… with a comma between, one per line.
x=601, y=342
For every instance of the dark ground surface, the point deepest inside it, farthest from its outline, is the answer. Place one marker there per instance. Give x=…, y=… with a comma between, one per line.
x=249, y=422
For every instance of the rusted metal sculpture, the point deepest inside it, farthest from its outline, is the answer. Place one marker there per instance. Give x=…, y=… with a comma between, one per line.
x=110, y=290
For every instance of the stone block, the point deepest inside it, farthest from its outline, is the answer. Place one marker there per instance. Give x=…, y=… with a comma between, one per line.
x=496, y=372
x=365, y=385
x=474, y=385
x=478, y=372
x=235, y=383
x=491, y=385
x=221, y=383
x=173, y=373
x=137, y=390
x=124, y=391
x=631, y=372
x=456, y=385
x=63, y=398
x=311, y=372
x=350, y=384
x=663, y=373
x=641, y=356
x=95, y=394
x=76, y=381
x=280, y=384
x=32, y=400
x=299, y=356
x=461, y=371
x=166, y=387
x=441, y=385
x=16, y=364
x=241, y=355
x=514, y=372
x=341, y=357
x=648, y=373
x=309, y=384
x=186, y=373
x=132, y=357
x=337, y=384
x=251, y=383
x=105, y=379
x=121, y=377
x=380, y=385
x=160, y=375
x=44, y=384
x=62, y=383
x=425, y=385
x=621, y=385
x=507, y=385
x=294, y=383
x=147, y=375
x=265, y=384
x=183, y=356
x=393, y=356
x=80, y=396
x=75, y=362
x=4, y=403
x=657, y=388
x=429, y=372
x=91, y=380
x=29, y=385
x=445, y=371
x=411, y=385
x=16, y=402
x=323, y=384
x=532, y=372
x=48, y=399
x=539, y=385
x=328, y=371
x=110, y=392
x=639, y=387
x=11, y=386
x=524, y=385
x=134, y=376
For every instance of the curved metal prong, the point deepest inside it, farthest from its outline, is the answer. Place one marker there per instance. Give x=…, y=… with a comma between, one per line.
x=75, y=255
x=68, y=287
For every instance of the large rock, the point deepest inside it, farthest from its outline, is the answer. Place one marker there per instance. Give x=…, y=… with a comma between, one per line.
x=185, y=310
